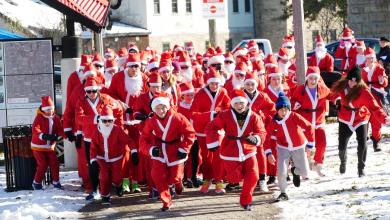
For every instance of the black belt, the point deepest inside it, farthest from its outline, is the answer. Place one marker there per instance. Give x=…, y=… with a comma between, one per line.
x=346, y=58
x=169, y=142
x=309, y=110
x=237, y=138
x=322, y=68
x=351, y=109
x=368, y=83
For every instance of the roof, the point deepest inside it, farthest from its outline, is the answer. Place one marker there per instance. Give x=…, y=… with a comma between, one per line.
x=5, y=35
x=120, y=29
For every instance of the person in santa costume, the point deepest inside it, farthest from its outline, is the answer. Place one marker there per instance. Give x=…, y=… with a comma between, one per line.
x=376, y=79
x=238, y=53
x=214, y=61
x=356, y=104
x=208, y=102
x=289, y=43
x=346, y=50
x=258, y=66
x=76, y=77
x=152, y=67
x=110, y=70
x=45, y=127
x=321, y=57
x=309, y=100
x=98, y=62
x=188, y=72
x=284, y=60
x=87, y=113
x=229, y=67
x=107, y=151
x=360, y=57
x=133, y=49
x=170, y=86
x=123, y=54
x=238, y=78
x=244, y=132
x=190, y=48
x=127, y=86
x=294, y=136
x=276, y=84
x=109, y=54
x=167, y=138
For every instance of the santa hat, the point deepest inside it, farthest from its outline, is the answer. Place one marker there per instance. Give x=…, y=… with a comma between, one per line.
x=166, y=56
x=184, y=59
x=274, y=71
x=199, y=57
x=261, y=53
x=190, y=45
x=211, y=50
x=133, y=59
x=84, y=60
x=144, y=57
x=284, y=53
x=165, y=65
x=111, y=64
x=313, y=71
x=187, y=88
x=347, y=34
x=154, y=63
x=288, y=41
x=133, y=47
x=239, y=52
x=155, y=80
x=369, y=53
x=292, y=68
x=216, y=58
x=47, y=103
x=177, y=48
x=206, y=57
x=229, y=57
x=213, y=76
x=319, y=40
x=258, y=65
x=360, y=44
x=219, y=50
x=107, y=112
x=195, y=63
x=254, y=56
x=92, y=83
x=89, y=70
x=270, y=60
x=123, y=54
x=160, y=98
x=238, y=96
x=252, y=77
x=97, y=59
x=192, y=57
x=109, y=52
x=252, y=45
x=241, y=68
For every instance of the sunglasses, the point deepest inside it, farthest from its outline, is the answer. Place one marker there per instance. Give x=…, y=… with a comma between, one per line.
x=215, y=65
x=134, y=66
x=228, y=62
x=107, y=121
x=91, y=91
x=98, y=66
x=184, y=68
x=289, y=47
x=284, y=61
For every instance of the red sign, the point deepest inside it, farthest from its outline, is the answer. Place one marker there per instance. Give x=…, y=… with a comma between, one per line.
x=213, y=9
x=212, y=1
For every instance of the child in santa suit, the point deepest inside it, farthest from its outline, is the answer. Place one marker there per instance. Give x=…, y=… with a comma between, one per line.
x=107, y=150
x=295, y=136
x=167, y=137
x=44, y=129
x=244, y=132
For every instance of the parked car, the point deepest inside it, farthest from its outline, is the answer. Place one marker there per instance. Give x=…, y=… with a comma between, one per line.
x=264, y=45
x=332, y=47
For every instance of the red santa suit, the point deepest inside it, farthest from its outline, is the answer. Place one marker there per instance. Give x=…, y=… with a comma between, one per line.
x=173, y=89
x=108, y=150
x=43, y=149
x=237, y=154
x=172, y=134
x=359, y=58
x=242, y=69
x=347, y=54
x=202, y=111
x=197, y=73
x=326, y=63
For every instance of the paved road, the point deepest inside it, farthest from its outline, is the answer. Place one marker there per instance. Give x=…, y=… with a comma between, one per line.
x=190, y=205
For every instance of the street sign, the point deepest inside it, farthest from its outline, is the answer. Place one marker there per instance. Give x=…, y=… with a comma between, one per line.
x=214, y=9
x=88, y=34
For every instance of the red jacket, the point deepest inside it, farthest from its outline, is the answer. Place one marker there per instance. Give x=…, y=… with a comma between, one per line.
x=87, y=113
x=197, y=80
x=44, y=124
x=316, y=118
x=73, y=81
x=204, y=106
x=110, y=149
x=68, y=118
x=235, y=150
x=371, y=78
x=174, y=126
x=184, y=109
x=262, y=105
x=325, y=64
x=341, y=53
x=366, y=104
x=292, y=132
x=273, y=94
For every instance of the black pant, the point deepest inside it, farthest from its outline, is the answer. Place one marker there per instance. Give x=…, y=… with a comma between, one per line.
x=361, y=135
x=93, y=176
x=195, y=158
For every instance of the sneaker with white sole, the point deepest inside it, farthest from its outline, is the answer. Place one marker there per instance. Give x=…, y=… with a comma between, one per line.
x=37, y=186
x=263, y=186
x=106, y=200
x=58, y=186
x=156, y=195
x=318, y=168
x=135, y=188
x=126, y=185
x=94, y=195
x=206, y=186
x=219, y=188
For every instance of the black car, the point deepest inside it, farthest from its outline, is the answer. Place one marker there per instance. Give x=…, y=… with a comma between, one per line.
x=332, y=47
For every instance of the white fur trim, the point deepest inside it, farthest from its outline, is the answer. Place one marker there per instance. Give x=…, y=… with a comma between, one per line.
x=144, y=62
x=215, y=60
x=322, y=43
x=112, y=68
x=95, y=119
x=238, y=99
x=361, y=47
x=290, y=71
x=40, y=136
x=185, y=63
x=229, y=59
x=133, y=63
x=205, y=58
x=92, y=160
x=152, y=65
x=190, y=47
x=165, y=68
x=254, y=58
x=268, y=151
x=284, y=57
x=251, y=80
x=160, y=101
x=47, y=108
x=288, y=44
x=183, y=151
x=212, y=145
x=89, y=73
x=346, y=38
x=275, y=74
x=81, y=67
x=240, y=72
x=313, y=74
x=134, y=151
x=214, y=80
x=109, y=54
x=188, y=91
x=260, y=72
x=370, y=56
x=239, y=53
x=106, y=117
x=254, y=47
x=92, y=88
x=155, y=84
x=98, y=62
x=258, y=140
x=133, y=48
x=151, y=150
x=270, y=64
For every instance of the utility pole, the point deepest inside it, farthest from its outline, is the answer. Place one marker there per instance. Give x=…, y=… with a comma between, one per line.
x=213, y=32
x=99, y=44
x=299, y=36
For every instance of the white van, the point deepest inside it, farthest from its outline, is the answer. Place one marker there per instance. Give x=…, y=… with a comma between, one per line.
x=264, y=45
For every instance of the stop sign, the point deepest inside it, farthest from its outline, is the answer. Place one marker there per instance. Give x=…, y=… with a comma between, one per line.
x=213, y=9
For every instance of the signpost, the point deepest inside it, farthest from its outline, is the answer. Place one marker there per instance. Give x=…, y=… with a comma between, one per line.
x=213, y=9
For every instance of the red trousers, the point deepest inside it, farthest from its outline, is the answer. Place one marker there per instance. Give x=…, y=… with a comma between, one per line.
x=188, y=168
x=212, y=165
x=376, y=126
x=271, y=169
x=129, y=170
x=164, y=176
x=261, y=160
x=45, y=159
x=83, y=166
x=320, y=138
x=247, y=170
x=148, y=165
x=110, y=173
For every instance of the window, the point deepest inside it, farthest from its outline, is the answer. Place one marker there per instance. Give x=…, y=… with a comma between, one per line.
x=228, y=45
x=235, y=5
x=156, y=6
x=207, y=44
x=247, y=5
x=165, y=47
x=314, y=38
x=174, y=6
x=333, y=35
x=188, y=6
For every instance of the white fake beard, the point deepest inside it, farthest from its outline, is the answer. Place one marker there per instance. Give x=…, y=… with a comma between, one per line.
x=320, y=52
x=133, y=85
x=360, y=59
x=237, y=84
x=347, y=44
x=105, y=131
x=292, y=51
x=121, y=62
x=108, y=78
x=187, y=74
x=230, y=67
x=284, y=67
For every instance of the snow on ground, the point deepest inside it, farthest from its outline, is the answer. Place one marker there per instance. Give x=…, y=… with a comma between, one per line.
x=343, y=196
x=46, y=204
